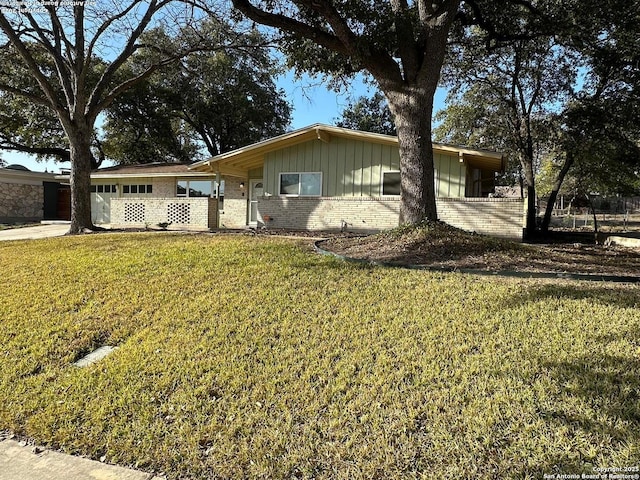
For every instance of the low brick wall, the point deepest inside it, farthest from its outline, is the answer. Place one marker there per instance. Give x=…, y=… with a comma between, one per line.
x=21, y=202
x=182, y=213
x=500, y=217
x=330, y=213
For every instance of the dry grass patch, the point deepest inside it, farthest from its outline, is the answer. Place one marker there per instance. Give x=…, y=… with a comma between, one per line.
x=253, y=358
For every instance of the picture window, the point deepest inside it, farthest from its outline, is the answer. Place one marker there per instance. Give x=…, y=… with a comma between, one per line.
x=301, y=184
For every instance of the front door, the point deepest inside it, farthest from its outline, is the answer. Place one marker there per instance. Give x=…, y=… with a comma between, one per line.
x=256, y=190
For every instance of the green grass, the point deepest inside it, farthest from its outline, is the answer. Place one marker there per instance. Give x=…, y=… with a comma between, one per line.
x=249, y=357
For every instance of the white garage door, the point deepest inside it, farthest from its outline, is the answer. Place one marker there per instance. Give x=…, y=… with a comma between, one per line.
x=101, y=196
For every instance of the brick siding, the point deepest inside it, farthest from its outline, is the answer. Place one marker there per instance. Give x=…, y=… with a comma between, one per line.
x=500, y=217
x=234, y=210
x=183, y=213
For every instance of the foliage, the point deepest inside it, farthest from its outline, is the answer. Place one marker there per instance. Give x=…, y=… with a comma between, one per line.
x=288, y=364
x=369, y=114
x=36, y=129
x=513, y=89
x=213, y=101
x=59, y=48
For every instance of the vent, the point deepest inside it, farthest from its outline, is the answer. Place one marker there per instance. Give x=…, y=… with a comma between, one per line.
x=178, y=213
x=134, y=212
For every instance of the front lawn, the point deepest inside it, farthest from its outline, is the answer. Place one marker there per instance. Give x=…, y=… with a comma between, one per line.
x=244, y=357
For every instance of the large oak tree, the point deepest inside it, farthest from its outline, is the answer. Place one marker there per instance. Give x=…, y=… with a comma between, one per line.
x=85, y=47
x=401, y=44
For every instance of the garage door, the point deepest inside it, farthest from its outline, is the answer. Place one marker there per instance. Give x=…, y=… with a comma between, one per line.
x=101, y=196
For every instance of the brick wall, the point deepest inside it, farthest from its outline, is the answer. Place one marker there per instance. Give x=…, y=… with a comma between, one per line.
x=183, y=213
x=21, y=202
x=501, y=217
x=498, y=217
x=234, y=211
x=330, y=213
x=164, y=187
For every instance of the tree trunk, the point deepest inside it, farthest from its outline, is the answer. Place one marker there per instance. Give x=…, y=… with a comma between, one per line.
x=80, y=180
x=529, y=178
x=554, y=192
x=412, y=108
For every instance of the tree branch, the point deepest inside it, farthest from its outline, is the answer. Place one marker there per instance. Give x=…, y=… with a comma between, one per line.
x=95, y=103
x=59, y=36
x=29, y=96
x=32, y=65
x=342, y=41
x=63, y=154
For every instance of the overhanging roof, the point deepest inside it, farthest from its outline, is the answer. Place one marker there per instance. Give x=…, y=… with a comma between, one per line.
x=25, y=176
x=238, y=162
x=156, y=169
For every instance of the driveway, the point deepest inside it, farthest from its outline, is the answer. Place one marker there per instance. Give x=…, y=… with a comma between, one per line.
x=39, y=231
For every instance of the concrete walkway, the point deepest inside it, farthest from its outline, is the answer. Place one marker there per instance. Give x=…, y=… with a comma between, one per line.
x=23, y=462
x=30, y=233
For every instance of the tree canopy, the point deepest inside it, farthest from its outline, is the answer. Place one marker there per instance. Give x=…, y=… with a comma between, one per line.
x=207, y=103
x=369, y=114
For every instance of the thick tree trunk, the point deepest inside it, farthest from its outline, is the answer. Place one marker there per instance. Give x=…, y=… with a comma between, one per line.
x=412, y=108
x=546, y=221
x=80, y=180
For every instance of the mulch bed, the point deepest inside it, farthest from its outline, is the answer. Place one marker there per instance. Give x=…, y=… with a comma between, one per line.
x=446, y=247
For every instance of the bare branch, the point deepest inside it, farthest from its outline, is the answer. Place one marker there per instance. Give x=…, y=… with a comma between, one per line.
x=32, y=65
x=29, y=96
x=93, y=105
x=54, y=51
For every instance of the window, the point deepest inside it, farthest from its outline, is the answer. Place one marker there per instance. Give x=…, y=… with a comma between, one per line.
x=391, y=183
x=301, y=184
x=103, y=189
x=138, y=189
x=197, y=188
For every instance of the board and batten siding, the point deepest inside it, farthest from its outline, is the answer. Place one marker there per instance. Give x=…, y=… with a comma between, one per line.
x=353, y=168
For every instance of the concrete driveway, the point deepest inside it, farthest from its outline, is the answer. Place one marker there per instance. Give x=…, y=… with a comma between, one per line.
x=39, y=231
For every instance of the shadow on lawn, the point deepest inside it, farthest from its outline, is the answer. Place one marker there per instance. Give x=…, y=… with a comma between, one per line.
x=597, y=405
x=608, y=420
x=602, y=294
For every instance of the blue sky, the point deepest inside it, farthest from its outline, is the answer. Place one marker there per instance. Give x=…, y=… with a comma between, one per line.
x=312, y=103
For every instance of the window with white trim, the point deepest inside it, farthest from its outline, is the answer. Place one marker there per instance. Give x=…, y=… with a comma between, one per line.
x=198, y=188
x=298, y=184
x=103, y=189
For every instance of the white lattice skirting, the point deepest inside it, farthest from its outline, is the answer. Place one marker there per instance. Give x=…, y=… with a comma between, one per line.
x=196, y=213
